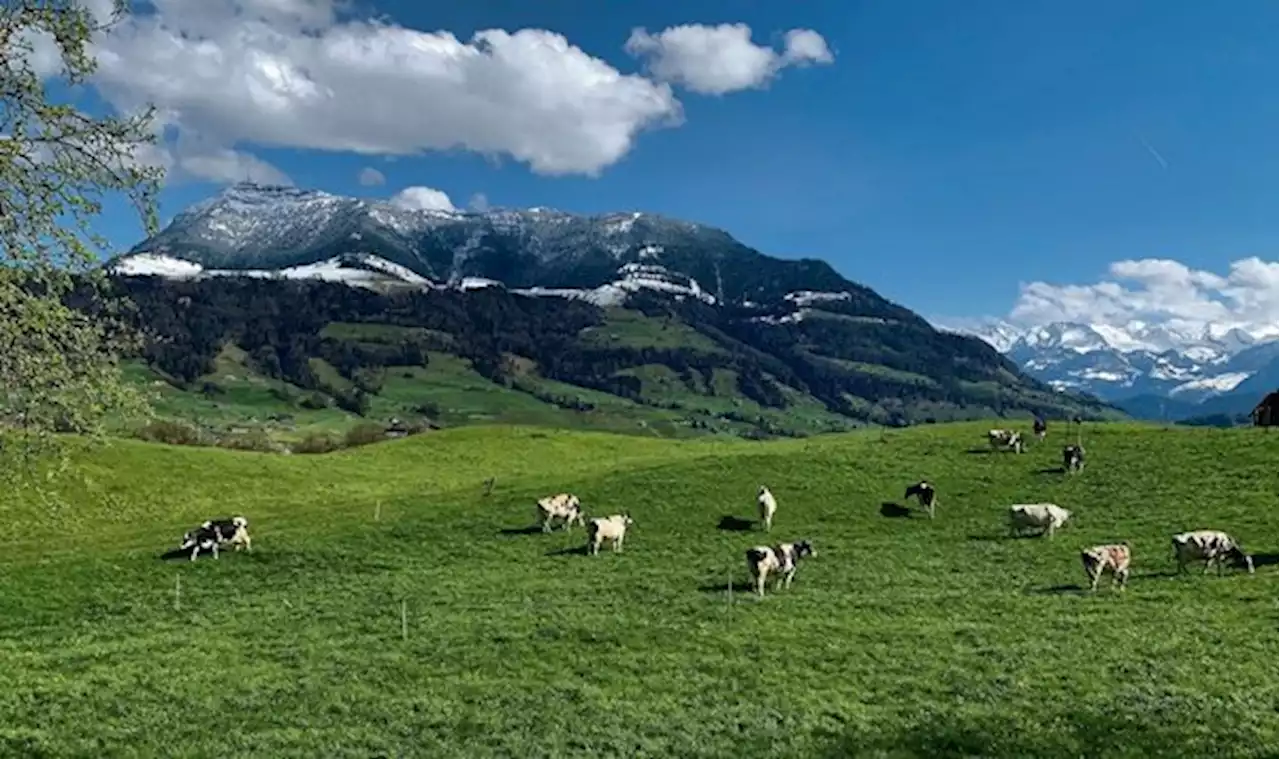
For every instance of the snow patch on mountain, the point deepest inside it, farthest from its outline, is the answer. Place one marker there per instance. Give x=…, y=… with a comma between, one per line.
x=1220, y=383
x=353, y=269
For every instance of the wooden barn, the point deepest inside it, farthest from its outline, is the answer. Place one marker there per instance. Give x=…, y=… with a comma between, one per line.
x=1264, y=414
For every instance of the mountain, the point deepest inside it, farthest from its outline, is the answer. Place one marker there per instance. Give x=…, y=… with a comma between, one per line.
x=1151, y=371
x=341, y=296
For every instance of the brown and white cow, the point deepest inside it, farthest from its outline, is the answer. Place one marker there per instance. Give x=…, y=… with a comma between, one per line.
x=782, y=559
x=1113, y=558
x=1213, y=547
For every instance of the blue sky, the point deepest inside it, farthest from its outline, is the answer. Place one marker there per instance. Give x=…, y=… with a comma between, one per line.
x=950, y=153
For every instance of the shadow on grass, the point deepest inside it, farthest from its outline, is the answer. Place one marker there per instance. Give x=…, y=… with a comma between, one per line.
x=895, y=510
x=735, y=524
x=573, y=551
x=993, y=537
x=532, y=529
x=180, y=553
x=1059, y=590
x=979, y=451
x=1052, y=470
x=739, y=586
x=1265, y=559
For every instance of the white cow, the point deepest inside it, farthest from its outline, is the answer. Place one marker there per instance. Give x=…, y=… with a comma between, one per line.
x=612, y=528
x=782, y=558
x=1113, y=558
x=1210, y=546
x=1046, y=517
x=1007, y=439
x=767, y=506
x=561, y=506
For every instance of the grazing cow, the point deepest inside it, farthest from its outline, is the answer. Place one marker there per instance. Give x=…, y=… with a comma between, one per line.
x=1005, y=439
x=925, y=494
x=607, y=528
x=767, y=506
x=1073, y=458
x=1046, y=517
x=1210, y=546
x=782, y=558
x=1113, y=558
x=560, y=506
x=1040, y=428
x=216, y=532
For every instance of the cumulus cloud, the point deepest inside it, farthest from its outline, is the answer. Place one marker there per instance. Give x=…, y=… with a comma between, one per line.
x=715, y=60
x=371, y=177
x=479, y=202
x=1162, y=291
x=423, y=199
x=290, y=73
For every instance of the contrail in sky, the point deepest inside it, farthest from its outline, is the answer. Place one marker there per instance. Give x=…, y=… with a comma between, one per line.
x=1154, y=153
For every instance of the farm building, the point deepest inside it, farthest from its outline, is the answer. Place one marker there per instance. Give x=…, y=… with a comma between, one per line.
x=1264, y=414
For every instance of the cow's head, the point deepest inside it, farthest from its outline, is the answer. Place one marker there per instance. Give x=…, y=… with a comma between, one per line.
x=805, y=548
x=188, y=540
x=626, y=518
x=240, y=522
x=1239, y=558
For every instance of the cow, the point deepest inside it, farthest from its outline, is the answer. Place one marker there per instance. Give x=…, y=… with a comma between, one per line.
x=1113, y=558
x=925, y=494
x=1047, y=517
x=560, y=506
x=1040, y=428
x=782, y=558
x=612, y=528
x=766, y=506
x=1073, y=458
x=213, y=533
x=1213, y=547
x=1005, y=439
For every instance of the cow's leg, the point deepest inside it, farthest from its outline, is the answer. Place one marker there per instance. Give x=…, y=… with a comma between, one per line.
x=790, y=576
x=215, y=549
x=195, y=551
x=760, y=580
x=1094, y=576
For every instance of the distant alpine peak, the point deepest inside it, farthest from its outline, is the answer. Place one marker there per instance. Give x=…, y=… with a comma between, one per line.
x=1202, y=342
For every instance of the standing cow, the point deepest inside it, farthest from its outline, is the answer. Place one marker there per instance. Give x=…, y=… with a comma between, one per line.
x=766, y=506
x=925, y=495
x=1045, y=517
x=1073, y=459
x=1113, y=558
x=782, y=558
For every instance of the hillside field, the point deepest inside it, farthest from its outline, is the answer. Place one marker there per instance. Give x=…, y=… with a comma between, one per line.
x=903, y=637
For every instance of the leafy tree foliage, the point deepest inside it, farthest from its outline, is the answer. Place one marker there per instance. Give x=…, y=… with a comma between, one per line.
x=58, y=369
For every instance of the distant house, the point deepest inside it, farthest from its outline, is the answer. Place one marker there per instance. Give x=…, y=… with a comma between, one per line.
x=1265, y=413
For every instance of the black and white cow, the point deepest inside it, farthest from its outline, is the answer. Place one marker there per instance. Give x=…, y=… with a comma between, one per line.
x=1210, y=546
x=1040, y=428
x=1073, y=458
x=925, y=494
x=782, y=558
x=215, y=533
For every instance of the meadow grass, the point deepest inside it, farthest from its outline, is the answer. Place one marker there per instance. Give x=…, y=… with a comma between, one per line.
x=902, y=637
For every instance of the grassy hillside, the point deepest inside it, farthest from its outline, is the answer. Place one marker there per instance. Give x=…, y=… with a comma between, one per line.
x=267, y=354
x=902, y=637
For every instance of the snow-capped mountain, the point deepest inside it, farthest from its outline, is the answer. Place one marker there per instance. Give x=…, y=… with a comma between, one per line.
x=1188, y=365
x=285, y=232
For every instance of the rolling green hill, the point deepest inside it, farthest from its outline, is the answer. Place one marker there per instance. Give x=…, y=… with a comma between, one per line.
x=291, y=360
x=902, y=637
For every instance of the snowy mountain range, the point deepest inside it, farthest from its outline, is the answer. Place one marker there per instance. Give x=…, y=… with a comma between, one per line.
x=1150, y=370
x=285, y=232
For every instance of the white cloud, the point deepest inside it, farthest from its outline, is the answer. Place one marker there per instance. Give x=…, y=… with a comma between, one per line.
x=229, y=166
x=288, y=73
x=478, y=202
x=423, y=199
x=715, y=60
x=371, y=177
x=1154, y=291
